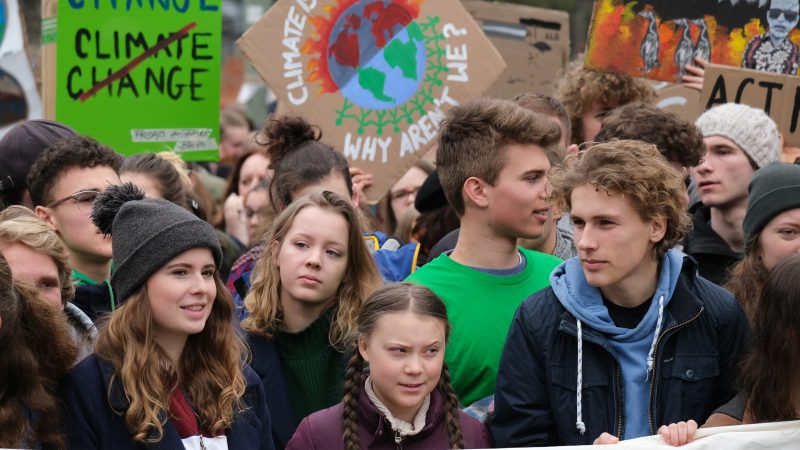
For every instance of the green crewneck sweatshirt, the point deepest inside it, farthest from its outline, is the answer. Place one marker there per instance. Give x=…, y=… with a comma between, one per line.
x=314, y=370
x=480, y=307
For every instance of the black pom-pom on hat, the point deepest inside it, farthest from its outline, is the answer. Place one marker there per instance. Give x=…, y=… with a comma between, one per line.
x=107, y=204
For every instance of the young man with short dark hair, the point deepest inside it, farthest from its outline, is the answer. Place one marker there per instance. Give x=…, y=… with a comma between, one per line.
x=627, y=337
x=63, y=183
x=492, y=163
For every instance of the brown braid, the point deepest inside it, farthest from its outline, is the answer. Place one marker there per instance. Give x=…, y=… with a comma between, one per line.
x=354, y=379
x=451, y=418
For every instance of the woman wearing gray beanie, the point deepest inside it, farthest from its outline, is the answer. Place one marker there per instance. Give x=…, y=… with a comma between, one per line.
x=771, y=230
x=168, y=365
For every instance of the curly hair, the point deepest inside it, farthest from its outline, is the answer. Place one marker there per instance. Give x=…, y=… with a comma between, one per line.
x=769, y=374
x=678, y=140
x=77, y=151
x=360, y=278
x=396, y=298
x=21, y=225
x=747, y=277
x=637, y=170
x=580, y=89
x=36, y=350
x=210, y=371
x=473, y=137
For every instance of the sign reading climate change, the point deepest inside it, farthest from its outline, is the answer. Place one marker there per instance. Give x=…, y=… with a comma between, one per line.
x=141, y=75
x=377, y=76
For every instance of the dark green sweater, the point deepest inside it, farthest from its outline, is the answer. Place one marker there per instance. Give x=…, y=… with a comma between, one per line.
x=314, y=370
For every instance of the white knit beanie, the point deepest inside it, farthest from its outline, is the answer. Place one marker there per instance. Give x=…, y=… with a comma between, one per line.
x=749, y=128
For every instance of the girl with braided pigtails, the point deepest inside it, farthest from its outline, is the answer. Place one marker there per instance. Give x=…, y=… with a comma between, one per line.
x=406, y=401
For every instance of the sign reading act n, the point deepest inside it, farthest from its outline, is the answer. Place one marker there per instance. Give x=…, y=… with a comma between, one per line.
x=141, y=75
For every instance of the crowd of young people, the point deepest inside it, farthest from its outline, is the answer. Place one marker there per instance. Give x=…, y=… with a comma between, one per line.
x=608, y=271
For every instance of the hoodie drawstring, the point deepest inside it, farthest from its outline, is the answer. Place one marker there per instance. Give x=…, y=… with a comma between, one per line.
x=579, y=425
x=650, y=356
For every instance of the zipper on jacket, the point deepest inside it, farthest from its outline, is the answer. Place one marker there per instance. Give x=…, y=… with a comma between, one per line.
x=620, y=408
x=654, y=372
x=398, y=440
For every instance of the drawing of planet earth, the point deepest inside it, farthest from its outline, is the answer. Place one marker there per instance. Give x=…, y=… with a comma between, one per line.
x=376, y=54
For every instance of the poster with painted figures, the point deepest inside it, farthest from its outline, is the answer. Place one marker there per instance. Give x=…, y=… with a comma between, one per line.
x=377, y=76
x=658, y=38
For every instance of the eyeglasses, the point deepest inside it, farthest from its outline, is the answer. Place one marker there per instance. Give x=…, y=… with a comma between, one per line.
x=84, y=200
x=775, y=13
x=247, y=214
x=403, y=193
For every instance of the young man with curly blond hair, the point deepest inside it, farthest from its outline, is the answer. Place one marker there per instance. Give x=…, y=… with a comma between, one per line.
x=627, y=337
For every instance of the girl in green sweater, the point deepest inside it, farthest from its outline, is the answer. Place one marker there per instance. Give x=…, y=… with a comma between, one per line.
x=307, y=289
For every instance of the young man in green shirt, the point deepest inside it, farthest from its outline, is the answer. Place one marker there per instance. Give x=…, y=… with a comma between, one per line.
x=492, y=161
x=63, y=183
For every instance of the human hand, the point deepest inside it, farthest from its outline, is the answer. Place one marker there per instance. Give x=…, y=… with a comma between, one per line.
x=361, y=181
x=680, y=433
x=606, y=439
x=696, y=74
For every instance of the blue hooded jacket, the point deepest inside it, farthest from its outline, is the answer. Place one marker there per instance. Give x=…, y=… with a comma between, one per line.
x=633, y=347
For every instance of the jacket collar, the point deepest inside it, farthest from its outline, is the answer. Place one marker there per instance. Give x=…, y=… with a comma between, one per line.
x=377, y=424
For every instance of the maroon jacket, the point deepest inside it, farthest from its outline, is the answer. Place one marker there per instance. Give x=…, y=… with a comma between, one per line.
x=324, y=429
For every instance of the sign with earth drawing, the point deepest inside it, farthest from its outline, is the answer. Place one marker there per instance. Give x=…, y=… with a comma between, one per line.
x=377, y=76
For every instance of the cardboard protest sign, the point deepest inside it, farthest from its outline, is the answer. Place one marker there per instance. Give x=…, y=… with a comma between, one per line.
x=377, y=76
x=778, y=95
x=679, y=100
x=141, y=75
x=534, y=42
x=658, y=38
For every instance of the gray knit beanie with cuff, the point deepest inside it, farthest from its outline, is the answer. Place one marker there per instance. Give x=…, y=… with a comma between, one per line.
x=773, y=190
x=749, y=128
x=147, y=233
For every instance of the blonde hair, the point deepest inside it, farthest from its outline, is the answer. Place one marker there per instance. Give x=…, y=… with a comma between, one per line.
x=210, y=371
x=21, y=225
x=360, y=279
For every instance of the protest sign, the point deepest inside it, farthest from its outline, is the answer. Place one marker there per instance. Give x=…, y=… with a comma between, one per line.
x=141, y=75
x=658, y=38
x=377, y=76
x=534, y=42
x=778, y=95
x=679, y=100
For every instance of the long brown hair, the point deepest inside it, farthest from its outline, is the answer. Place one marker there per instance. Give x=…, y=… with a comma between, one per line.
x=747, y=277
x=770, y=373
x=210, y=371
x=35, y=351
x=397, y=298
x=360, y=279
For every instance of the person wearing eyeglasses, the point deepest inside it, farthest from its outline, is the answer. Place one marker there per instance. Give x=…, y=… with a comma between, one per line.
x=773, y=51
x=63, y=183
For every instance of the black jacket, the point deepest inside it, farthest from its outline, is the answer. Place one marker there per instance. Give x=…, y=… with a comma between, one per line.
x=92, y=420
x=712, y=253
x=704, y=336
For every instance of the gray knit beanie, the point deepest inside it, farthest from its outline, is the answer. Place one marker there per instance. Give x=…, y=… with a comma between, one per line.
x=147, y=233
x=749, y=128
x=773, y=190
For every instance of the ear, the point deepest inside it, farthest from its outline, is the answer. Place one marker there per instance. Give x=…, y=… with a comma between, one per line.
x=46, y=215
x=362, y=348
x=276, y=248
x=658, y=228
x=474, y=191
